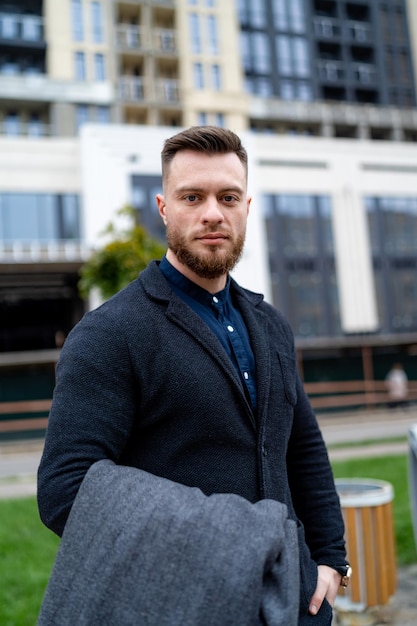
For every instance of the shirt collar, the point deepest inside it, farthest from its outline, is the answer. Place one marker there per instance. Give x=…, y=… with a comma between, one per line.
x=181, y=282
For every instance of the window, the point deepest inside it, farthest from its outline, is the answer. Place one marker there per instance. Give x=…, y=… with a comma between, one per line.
x=31, y=28
x=216, y=77
x=103, y=115
x=202, y=119
x=213, y=41
x=292, y=55
x=35, y=127
x=279, y=9
x=198, y=76
x=77, y=20
x=12, y=124
x=261, y=55
x=9, y=26
x=257, y=15
x=297, y=18
x=219, y=120
x=97, y=22
x=99, y=67
x=81, y=115
x=195, y=35
x=39, y=217
x=80, y=66
x=300, y=246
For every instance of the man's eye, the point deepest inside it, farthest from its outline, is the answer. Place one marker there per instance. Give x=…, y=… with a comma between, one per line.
x=191, y=198
x=229, y=198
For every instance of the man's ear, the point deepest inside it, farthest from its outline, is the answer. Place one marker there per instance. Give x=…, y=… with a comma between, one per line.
x=248, y=203
x=160, y=202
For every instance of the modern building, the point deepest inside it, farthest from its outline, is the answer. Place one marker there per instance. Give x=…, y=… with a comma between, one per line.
x=324, y=95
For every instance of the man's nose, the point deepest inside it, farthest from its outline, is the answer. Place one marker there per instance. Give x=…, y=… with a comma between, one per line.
x=212, y=211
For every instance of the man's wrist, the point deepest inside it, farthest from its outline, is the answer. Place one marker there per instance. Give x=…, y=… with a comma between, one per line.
x=345, y=571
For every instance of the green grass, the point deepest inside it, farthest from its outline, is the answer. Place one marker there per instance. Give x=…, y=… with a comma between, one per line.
x=28, y=549
x=393, y=469
x=27, y=552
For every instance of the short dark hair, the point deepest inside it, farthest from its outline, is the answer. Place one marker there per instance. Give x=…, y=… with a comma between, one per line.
x=206, y=139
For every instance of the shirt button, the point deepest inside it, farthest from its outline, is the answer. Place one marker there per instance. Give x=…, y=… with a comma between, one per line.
x=230, y=329
x=215, y=300
x=245, y=375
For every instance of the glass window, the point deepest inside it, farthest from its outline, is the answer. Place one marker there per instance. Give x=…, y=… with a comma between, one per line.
x=97, y=22
x=12, y=124
x=202, y=119
x=70, y=217
x=284, y=55
x=195, y=35
x=261, y=55
x=216, y=77
x=9, y=26
x=99, y=67
x=245, y=51
x=198, y=76
x=35, y=127
x=81, y=115
x=257, y=15
x=103, y=115
x=77, y=20
x=304, y=91
x=279, y=8
x=287, y=91
x=297, y=18
x=213, y=41
x=300, y=57
x=31, y=27
x=79, y=60
x=10, y=67
x=219, y=120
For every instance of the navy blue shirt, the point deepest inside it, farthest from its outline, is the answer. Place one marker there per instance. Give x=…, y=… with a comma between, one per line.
x=223, y=318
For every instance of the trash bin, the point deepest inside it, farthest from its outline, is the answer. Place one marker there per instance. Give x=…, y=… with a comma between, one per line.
x=369, y=534
x=412, y=441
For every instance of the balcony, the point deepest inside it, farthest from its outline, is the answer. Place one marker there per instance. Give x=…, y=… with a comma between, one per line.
x=164, y=41
x=130, y=37
x=137, y=89
x=364, y=73
x=359, y=32
x=41, y=88
x=331, y=71
x=43, y=252
x=326, y=27
x=132, y=89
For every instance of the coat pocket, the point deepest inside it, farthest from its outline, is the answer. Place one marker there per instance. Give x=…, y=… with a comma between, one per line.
x=288, y=368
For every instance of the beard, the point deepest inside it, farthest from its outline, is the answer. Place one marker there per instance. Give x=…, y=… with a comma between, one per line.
x=212, y=264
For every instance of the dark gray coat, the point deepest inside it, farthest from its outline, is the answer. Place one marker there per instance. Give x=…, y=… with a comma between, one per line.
x=144, y=382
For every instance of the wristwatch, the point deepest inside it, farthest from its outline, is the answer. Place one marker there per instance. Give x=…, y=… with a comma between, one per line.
x=345, y=571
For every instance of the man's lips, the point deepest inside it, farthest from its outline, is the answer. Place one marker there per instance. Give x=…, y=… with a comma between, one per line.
x=212, y=238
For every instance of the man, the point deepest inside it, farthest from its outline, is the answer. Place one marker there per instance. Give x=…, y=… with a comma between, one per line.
x=190, y=377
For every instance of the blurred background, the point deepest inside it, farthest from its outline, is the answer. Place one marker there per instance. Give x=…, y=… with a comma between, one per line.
x=323, y=94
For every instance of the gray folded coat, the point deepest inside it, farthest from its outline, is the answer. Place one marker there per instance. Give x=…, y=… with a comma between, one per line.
x=138, y=549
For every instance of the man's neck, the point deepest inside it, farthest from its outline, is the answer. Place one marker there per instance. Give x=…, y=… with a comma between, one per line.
x=212, y=285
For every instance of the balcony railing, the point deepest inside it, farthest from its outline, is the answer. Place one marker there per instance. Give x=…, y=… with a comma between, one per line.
x=360, y=32
x=133, y=89
x=136, y=38
x=165, y=41
x=326, y=27
x=41, y=251
x=130, y=37
x=365, y=73
x=331, y=71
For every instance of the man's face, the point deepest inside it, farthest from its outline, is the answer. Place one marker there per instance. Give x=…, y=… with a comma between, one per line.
x=205, y=208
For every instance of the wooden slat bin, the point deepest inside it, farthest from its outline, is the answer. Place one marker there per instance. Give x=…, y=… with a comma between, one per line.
x=369, y=534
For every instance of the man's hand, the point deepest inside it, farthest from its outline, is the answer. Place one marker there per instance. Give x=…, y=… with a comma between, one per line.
x=328, y=583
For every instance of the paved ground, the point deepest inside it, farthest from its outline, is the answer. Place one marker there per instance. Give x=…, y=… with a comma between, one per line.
x=19, y=462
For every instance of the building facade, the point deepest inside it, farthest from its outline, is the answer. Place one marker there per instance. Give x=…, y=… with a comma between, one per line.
x=323, y=93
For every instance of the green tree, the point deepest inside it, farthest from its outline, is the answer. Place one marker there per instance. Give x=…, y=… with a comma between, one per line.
x=117, y=263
